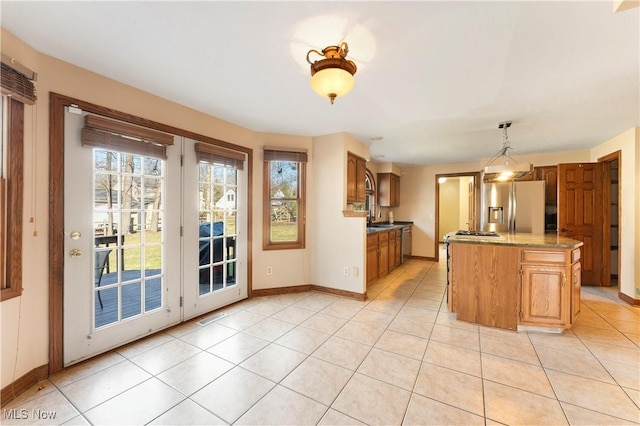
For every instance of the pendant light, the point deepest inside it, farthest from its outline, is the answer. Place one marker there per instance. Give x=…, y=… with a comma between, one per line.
x=504, y=165
x=332, y=76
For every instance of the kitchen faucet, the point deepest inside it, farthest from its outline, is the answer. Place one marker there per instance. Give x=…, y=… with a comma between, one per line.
x=372, y=212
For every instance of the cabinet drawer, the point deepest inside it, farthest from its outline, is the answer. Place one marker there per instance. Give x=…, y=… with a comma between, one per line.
x=575, y=255
x=372, y=240
x=383, y=236
x=542, y=256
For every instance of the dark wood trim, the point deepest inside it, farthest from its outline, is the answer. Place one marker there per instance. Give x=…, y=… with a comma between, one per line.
x=267, y=244
x=628, y=299
x=476, y=196
x=309, y=287
x=606, y=216
x=343, y=293
x=430, y=258
x=281, y=290
x=15, y=202
x=57, y=104
x=56, y=229
x=13, y=390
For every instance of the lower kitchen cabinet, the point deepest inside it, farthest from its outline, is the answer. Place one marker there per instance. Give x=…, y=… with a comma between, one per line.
x=393, y=247
x=383, y=253
x=543, y=297
x=372, y=258
x=397, y=259
x=550, y=287
x=576, y=280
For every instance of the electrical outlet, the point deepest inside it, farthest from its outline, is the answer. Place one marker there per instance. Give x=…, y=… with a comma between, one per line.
x=345, y=271
x=356, y=271
x=269, y=270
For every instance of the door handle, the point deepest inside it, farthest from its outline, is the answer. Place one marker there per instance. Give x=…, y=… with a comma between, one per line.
x=564, y=230
x=75, y=253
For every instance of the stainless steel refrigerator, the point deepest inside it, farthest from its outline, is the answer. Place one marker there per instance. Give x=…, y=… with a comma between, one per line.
x=508, y=207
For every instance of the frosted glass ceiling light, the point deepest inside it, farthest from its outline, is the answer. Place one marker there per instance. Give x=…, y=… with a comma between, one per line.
x=332, y=76
x=503, y=165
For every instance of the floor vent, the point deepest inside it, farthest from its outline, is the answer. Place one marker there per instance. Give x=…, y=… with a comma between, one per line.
x=213, y=318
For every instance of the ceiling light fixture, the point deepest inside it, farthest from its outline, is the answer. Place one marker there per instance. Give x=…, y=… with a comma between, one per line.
x=503, y=165
x=332, y=76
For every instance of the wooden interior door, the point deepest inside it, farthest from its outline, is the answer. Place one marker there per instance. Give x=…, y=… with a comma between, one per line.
x=580, y=213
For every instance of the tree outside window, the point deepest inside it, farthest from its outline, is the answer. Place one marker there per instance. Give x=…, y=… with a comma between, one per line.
x=284, y=219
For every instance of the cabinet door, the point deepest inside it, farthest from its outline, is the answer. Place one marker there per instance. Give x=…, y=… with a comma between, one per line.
x=543, y=295
x=372, y=263
x=393, y=247
x=551, y=185
x=549, y=174
x=398, y=259
x=395, y=190
x=361, y=171
x=388, y=190
x=576, y=278
x=383, y=258
x=352, y=178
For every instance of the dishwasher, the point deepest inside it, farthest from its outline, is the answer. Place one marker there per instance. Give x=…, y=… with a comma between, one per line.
x=406, y=243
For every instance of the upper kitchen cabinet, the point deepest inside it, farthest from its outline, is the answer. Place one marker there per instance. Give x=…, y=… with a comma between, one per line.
x=549, y=174
x=356, y=170
x=388, y=190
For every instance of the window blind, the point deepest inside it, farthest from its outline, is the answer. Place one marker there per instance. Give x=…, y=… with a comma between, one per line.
x=285, y=154
x=17, y=85
x=100, y=132
x=215, y=154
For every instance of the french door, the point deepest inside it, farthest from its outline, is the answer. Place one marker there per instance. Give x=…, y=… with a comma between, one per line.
x=149, y=240
x=215, y=216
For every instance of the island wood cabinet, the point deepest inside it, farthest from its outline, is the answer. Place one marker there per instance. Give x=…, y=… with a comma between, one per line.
x=509, y=286
x=388, y=190
x=550, y=287
x=356, y=172
x=383, y=253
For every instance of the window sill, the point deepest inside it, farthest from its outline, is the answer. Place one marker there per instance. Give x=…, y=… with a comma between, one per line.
x=10, y=293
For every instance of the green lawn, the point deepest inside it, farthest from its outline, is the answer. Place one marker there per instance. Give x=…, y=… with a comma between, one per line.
x=132, y=256
x=284, y=231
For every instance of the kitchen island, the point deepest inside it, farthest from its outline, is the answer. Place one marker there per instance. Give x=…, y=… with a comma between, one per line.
x=515, y=281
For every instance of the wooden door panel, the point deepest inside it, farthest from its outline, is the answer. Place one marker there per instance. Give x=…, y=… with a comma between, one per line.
x=580, y=192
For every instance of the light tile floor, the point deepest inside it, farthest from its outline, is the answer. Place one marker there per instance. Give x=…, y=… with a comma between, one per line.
x=398, y=358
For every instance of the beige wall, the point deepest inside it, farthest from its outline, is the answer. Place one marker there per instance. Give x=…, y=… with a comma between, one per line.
x=25, y=319
x=629, y=145
x=449, y=206
x=289, y=267
x=340, y=242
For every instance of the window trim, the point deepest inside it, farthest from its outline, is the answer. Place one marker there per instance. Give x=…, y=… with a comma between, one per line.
x=371, y=192
x=12, y=254
x=267, y=244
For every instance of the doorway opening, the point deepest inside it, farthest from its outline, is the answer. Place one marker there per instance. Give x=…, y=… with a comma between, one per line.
x=457, y=205
x=611, y=219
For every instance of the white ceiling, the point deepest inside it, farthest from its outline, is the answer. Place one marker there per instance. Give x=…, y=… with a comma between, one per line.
x=434, y=78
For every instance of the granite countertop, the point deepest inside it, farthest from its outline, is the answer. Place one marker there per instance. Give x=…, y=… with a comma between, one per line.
x=523, y=240
x=386, y=226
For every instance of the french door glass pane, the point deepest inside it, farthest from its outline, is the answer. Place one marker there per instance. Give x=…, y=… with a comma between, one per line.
x=217, y=227
x=128, y=207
